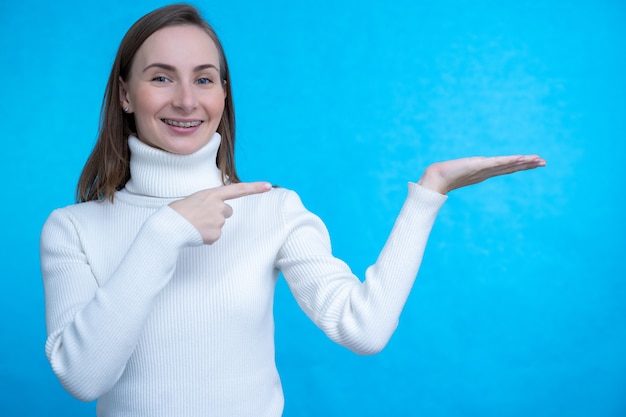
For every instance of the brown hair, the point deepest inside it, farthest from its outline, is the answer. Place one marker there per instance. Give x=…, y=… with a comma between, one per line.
x=108, y=167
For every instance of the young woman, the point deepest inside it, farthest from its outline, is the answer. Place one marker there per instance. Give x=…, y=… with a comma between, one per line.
x=159, y=284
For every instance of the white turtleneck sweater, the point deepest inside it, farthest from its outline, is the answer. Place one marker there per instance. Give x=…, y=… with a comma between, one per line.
x=147, y=319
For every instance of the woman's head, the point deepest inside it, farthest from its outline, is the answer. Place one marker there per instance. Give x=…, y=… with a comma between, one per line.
x=174, y=92
x=107, y=169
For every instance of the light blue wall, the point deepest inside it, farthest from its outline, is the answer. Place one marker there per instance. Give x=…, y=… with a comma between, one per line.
x=520, y=306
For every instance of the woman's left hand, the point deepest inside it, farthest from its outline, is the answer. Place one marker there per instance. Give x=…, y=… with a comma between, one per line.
x=444, y=177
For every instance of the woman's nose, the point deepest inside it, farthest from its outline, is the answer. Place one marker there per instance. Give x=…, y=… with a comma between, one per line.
x=185, y=98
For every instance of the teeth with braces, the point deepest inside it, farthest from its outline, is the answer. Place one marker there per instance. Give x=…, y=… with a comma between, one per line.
x=182, y=124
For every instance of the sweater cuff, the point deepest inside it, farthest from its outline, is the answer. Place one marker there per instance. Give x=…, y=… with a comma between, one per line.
x=175, y=226
x=425, y=199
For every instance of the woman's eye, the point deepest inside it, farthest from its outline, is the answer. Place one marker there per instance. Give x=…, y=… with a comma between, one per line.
x=160, y=79
x=204, y=81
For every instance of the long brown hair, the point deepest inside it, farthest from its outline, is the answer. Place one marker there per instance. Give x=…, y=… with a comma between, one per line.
x=108, y=167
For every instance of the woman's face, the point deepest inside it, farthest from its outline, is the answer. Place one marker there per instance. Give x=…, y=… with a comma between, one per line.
x=174, y=89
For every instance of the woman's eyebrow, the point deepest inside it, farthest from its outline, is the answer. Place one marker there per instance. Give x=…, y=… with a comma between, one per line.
x=205, y=66
x=159, y=65
x=168, y=67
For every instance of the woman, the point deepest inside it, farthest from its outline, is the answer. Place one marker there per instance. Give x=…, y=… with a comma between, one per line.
x=159, y=284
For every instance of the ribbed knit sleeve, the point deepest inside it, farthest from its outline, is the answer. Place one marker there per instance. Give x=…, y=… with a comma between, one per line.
x=361, y=316
x=93, y=325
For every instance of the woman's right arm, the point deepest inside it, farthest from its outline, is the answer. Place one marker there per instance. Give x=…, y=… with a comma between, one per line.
x=93, y=329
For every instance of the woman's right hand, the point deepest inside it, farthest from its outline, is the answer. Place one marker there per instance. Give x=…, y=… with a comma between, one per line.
x=207, y=210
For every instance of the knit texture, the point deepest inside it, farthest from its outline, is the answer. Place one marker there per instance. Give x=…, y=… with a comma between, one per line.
x=147, y=319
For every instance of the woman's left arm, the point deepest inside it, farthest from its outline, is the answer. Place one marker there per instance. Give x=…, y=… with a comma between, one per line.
x=362, y=316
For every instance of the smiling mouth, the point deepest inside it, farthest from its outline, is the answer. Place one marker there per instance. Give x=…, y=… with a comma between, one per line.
x=186, y=125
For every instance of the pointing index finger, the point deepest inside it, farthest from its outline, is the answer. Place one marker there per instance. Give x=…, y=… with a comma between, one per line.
x=241, y=189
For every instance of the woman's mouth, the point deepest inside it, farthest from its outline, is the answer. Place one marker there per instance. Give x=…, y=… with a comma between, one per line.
x=186, y=125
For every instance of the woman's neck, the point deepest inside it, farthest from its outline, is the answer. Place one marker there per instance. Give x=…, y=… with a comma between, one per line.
x=157, y=173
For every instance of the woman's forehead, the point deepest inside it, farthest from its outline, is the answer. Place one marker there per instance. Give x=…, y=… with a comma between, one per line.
x=180, y=46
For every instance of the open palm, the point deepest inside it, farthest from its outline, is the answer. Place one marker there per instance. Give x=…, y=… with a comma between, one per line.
x=444, y=177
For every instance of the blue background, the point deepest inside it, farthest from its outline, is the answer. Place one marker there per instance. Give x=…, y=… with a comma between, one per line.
x=520, y=306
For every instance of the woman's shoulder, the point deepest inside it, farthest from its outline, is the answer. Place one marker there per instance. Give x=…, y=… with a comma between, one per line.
x=278, y=198
x=83, y=207
x=278, y=204
x=77, y=211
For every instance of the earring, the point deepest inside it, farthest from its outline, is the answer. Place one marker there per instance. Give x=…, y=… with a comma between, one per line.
x=125, y=109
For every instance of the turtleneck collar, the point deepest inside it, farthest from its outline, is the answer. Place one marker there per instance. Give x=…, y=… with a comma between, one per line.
x=157, y=173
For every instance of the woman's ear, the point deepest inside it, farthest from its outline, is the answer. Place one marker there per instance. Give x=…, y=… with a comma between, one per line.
x=124, y=98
